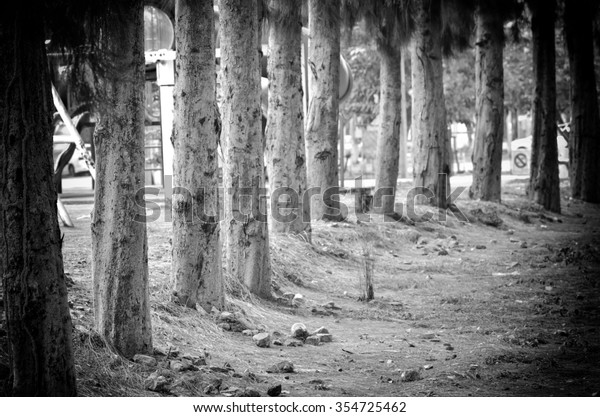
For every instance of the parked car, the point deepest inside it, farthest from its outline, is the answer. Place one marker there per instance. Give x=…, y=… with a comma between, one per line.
x=521, y=151
x=61, y=141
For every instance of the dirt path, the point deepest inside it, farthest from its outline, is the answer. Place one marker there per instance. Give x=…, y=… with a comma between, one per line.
x=473, y=309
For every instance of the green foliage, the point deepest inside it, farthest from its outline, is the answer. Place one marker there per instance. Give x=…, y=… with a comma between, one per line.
x=361, y=54
x=459, y=87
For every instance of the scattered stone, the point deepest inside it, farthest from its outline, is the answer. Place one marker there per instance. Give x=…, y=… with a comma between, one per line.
x=320, y=330
x=284, y=367
x=427, y=367
x=277, y=342
x=157, y=351
x=321, y=312
x=449, y=348
x=248, y=392
x=225, y=326
x=186, y=365
x=221, y=369
x=226, y=316
x=176, y=366
x=481, y=247
x=442, y=252
x=214, y=386
x=249, y=332
x=411, y=375
x=523, y=245
x=288, y=296
x=262, y=340
x=294, y=343
x=330, y=305
x=324, y=337
x=298, y=300
x=299, y=331
x=274, y=391
x=157, y=383
x=195, y=360
x=313, y=340
x=145, y=360
x=489, y=217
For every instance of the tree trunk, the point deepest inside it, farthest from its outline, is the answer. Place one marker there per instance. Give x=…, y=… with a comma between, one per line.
x=489, y=80
x=323, y=108
x=402, y=167
x=246, y=234
x=514, y=122
x=388, y=138
x=429, y=131
x=31, y=266
x=584, y=152
x=285, y=152
x=119, y=242
x=196, y=261
x=543, y=181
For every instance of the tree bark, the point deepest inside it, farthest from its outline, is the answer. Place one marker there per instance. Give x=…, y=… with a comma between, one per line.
x=323, y=109
x=543, y=181
x=429, y=131
x=489, y=80
x=584, y=151
x=402, y=167
x=246, y=234
x=196, y=259
x=285, y=150
x=119, y=242
x=31, y=265
x=388, y=138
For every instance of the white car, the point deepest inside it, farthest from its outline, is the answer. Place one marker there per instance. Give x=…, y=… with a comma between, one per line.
x=521, y=151
x=61, y=141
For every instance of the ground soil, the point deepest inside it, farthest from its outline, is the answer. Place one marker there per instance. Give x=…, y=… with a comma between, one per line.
x=504, y=304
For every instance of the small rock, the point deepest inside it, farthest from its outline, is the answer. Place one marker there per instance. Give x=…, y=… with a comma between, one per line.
x=262, y=340
x=288, y=296
x=182, y=366
x=481, y=247
x=176, y=366
x=409, y=376
x=214, y=386
x=427, y=367
x=277, y=342
x=299, y=331
x=195, y=360
x=248, y=392
x=274, y=391
x=145, y=360
x=284, y=367
x=442, y=252
x=320, y=330
x=324, y=337
x=249, y=332
x=330, y=305
x=215, y=311
x=524, y=245
x=298, y=300
x=313, y=340
x=294, y=343
x=225, y=326
x=226, y=316
x=156, y=383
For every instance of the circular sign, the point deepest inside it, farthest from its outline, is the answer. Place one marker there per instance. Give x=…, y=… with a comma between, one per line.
x=158, y=30
x=520, y=160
